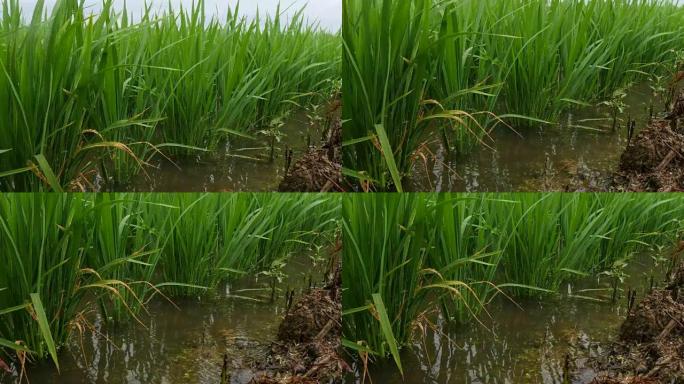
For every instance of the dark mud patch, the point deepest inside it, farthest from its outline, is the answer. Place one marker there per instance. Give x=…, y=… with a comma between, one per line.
x=650, y=345
x=307, y=349
x=320, y=169
x=653, y=161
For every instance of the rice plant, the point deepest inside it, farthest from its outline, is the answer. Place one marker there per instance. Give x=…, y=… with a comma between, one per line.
x=66, y=256
x=408, y=255
x=383, y=82
x=44, y=240
x=384, y=252
x=456, y=70
x=91, y=99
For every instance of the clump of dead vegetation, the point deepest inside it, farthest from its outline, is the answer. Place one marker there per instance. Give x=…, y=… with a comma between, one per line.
x=653, y=161
x=650, y=347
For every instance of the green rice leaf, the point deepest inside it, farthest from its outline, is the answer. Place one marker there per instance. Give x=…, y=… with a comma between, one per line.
x=232, y=270
x=388, y=154
x=356, y=310
x=44, y=327
x=14, y=346
x=574, y=272
x=48, y=173
x=386, y=328
x=357, y=141
x=13, y=309
x=15, y=171
x=357, y=347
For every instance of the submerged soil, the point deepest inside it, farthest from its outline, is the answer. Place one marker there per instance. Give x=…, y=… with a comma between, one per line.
x=319, y=169
x=307, y=349
x=650, y=345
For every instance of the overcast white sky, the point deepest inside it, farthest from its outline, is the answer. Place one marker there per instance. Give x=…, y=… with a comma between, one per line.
x=327, y=12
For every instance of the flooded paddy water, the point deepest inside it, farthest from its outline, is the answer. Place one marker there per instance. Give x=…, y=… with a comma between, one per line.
x=582, y=148
x=185, y=342
x=548, y=341
x=240, y=164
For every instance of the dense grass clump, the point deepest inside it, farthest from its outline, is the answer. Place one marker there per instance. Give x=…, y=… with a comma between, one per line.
x=64, y=256
x=84, y=95
x=458, y=69
x=411, y=254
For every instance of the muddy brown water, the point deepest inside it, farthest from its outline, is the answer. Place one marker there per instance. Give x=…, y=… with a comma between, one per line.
x=583, y=142
x=239, y=165
x=527, y=345
x=186, y=345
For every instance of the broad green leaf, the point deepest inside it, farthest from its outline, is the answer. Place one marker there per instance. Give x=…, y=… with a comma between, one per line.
x=388, y=154
x=386, y=328
x=44, y=326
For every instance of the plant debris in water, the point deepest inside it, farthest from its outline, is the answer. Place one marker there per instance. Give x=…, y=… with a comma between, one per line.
x=320, y=169
x=650, y=347
x=653, y=161
x=308, y=344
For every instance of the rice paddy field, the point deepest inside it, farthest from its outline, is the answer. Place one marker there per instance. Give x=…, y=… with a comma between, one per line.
x=98, y=99
x=439, y=95
x=88, y=280
x=469, y=122
x=491, y=288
